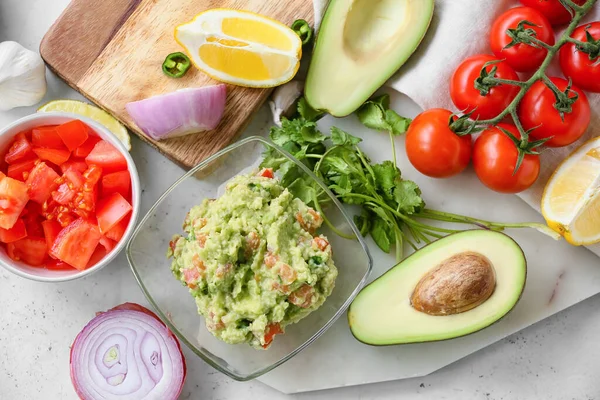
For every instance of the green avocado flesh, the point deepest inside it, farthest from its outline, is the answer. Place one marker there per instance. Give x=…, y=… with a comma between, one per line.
x=382, y=313
x=360, y=45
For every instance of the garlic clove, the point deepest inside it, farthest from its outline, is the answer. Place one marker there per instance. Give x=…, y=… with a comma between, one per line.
x=284, y=99
x=22, y=76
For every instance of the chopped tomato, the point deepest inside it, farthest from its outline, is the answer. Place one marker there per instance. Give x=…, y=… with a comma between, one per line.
x=92, y=175
x=302, y=297
x=76, y=243
x=2, y=175
x=33, y=223
x=46, y=136
x=287, y=274
x=117, y=231
x=57, y=265
x=51, y=230
x=55, y=156
x=271, y=259
x=17, y=232
x=11, y=252
x=97, y=255
x=20, y=149
x=86, y=148
x=107, y=243
x=31, y=250
x=270, y=332
x=78, y=165
x=320, y=243
x=20, y=171
x=40, y=182
x=117, y=182
x=107, y=157
x=13, y=199
x=111, y=210
x=74, y=178
x=267, y=173
x=73, y=133
x=64, y=194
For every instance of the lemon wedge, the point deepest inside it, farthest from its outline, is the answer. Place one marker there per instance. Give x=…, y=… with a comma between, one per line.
x=571, y=199
x=92, y=112
x=241, y=47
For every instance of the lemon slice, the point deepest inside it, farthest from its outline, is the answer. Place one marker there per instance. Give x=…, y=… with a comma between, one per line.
x=241, y=48
x=571, y=200
x=92, y=112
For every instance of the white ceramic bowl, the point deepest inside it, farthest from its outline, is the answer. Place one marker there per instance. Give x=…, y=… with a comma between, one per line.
x=57, y=118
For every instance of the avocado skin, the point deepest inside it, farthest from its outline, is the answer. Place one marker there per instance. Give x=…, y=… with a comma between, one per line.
x=424, y=248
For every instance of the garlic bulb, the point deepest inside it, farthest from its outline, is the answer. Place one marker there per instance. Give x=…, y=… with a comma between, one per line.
x=284, y=98
x=22, y=76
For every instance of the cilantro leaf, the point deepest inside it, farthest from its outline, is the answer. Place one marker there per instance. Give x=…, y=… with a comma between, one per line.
x=387, y=176
x=398, y=124
x=382, y=234
x=302, y=189
x=408, y=196
x=372, y=115
x=343, y=138
x=307, y=112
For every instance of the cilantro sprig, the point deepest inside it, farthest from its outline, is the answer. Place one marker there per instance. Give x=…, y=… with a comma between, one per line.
x=392, y=209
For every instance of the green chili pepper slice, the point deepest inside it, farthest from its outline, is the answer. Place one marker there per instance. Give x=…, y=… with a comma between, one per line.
x=303, y=29
x=176, y=65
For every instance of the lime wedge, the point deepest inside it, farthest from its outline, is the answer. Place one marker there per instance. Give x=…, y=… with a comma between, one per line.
x=92, y=112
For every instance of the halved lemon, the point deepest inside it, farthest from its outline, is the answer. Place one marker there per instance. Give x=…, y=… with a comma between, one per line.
x=241, y=47
x=92, y=112
x=571, y=199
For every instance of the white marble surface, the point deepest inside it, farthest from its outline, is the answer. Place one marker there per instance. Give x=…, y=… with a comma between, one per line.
x=558, y=358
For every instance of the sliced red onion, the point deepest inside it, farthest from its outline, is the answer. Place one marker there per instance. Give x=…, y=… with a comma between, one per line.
x=180, y=113
x=127, y=353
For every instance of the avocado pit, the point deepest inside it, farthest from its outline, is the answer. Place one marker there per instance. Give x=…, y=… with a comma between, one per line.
x=458, y=284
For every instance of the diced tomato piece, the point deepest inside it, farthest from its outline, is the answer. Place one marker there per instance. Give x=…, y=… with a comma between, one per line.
x=2, y=175
x=33, y=223
x=64, y=194
x=73, y=133
x=74, y=178
x=111, y=210
x=20, y=171
x=76, y=243
x=11, y=252
x=46, y=136
x=107, y=243
x=51, y=230
x=117, y=231
x=270, y=332
x=78, y=165
x=41, y=182
x=107, y=157
x=117, y=182
x=86, y=148
x=20, y=149
x=55, y=156
x=17, y=232
x=13, y=199
x=97, y=255
x=267, y=173
x=57, y=265
x=31, y=250
x=92, y=175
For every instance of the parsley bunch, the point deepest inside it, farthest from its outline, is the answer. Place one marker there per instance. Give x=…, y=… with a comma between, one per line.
x=392, y=208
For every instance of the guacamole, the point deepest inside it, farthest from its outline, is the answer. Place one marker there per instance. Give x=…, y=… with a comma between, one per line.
x=252, y=261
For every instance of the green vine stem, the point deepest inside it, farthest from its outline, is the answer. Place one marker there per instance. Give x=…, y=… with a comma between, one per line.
x=578, y=13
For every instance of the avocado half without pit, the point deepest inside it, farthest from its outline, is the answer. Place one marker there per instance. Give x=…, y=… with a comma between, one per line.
x=453, y=287
x=360, y=45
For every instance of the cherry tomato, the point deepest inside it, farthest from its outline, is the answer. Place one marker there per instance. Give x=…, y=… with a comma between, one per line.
x=467, y=97
x=495, y=157
x=577, y=65
x=537, y=110
x=433, y=149
x=522, y=57
x=556, y=13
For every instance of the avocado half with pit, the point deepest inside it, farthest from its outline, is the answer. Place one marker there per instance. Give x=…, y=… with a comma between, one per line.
x=360, y=45
x=453, y=287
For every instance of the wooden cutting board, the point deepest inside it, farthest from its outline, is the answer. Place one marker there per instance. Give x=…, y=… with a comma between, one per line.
x=111, y=51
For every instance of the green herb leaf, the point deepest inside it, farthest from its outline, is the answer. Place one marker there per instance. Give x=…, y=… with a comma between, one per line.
x=399, y=124
x=302, y=189
x=408, y=196
x=363, y=222
x=382, y=234
x=372, y=115
x=342, y=138
x=307, y=112
x=387, y=176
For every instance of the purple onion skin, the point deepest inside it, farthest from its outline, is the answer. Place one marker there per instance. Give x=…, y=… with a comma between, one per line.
x=180, y=113
x=133, y=356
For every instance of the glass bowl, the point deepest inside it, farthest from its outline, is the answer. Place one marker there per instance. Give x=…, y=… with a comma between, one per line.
x=147, y=249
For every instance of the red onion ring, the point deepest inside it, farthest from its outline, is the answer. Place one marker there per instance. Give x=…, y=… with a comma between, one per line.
x=127, y=353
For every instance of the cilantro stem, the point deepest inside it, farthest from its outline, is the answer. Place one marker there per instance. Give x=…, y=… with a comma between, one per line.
x=328, y=223
x=393, y=148
x=313, y=156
